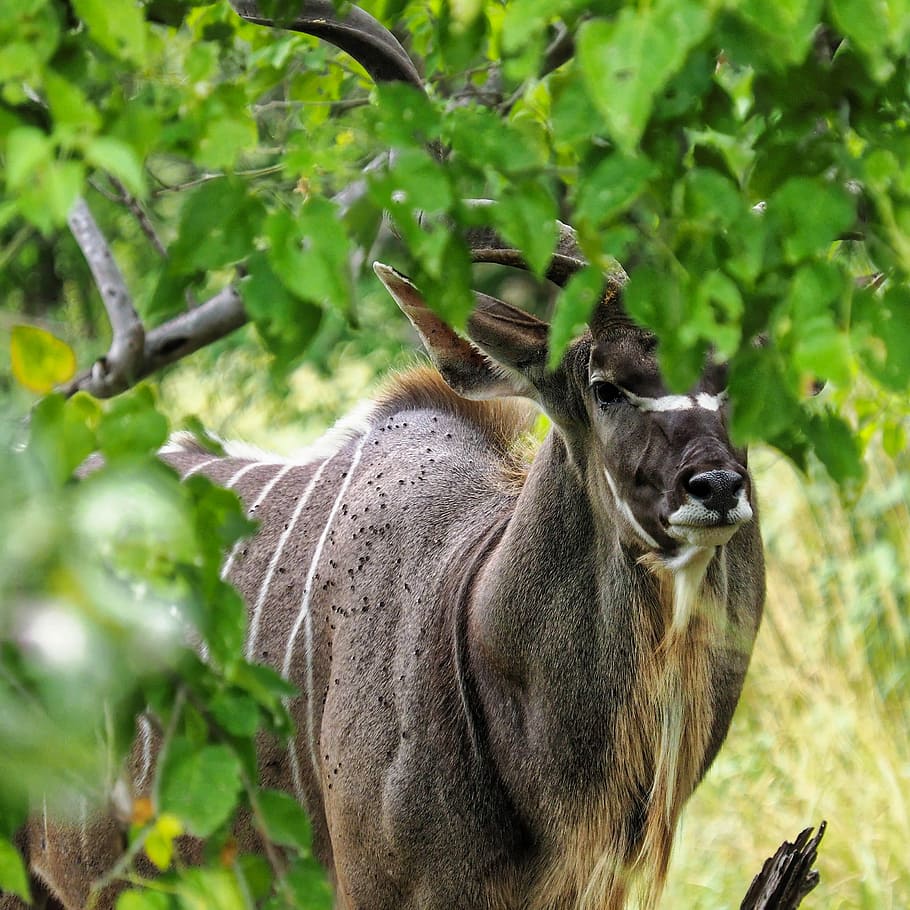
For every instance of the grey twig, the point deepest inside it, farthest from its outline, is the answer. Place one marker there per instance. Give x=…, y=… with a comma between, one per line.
x=116, y=370
x=142, y=217
x=182, y=335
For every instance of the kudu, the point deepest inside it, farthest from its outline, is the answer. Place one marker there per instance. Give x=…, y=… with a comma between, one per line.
x=514, y=671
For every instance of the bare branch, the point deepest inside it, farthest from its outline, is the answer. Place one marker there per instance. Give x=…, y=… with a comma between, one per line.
x=116, y=370
x=141, y=216
x=182, y=335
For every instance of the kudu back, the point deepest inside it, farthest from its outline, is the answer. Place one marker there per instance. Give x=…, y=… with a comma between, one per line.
x=514, y=671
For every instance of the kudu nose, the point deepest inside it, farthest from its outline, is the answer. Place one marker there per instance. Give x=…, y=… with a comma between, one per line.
x=717, y=490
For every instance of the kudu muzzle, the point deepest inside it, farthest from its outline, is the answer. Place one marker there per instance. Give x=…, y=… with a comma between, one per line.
x=708, y=499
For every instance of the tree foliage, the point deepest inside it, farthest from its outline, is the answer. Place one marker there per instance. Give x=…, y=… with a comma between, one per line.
x=745, y=161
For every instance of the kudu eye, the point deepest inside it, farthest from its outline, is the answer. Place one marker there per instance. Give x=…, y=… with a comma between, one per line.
x=605, y=393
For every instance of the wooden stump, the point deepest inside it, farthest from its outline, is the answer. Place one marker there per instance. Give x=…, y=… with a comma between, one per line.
x=787, y=877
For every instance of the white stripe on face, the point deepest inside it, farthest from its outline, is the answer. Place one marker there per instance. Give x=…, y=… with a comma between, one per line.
x=626, y=510
x=677, y=402
x=276, y=556
x=304, y=616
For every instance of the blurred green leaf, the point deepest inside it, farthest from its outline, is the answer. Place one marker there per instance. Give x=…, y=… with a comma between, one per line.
x=573, y=307
x=122, y=35
x=119, y=160
x=143, y=900
x=13, y=877
x=218, y=223
x=309, y=253
x=62, y=433
x=199, y=785
x=286, y=321
x=789, y=26
x=837, y=447
x=809, y=215
x=526, y=216
x=611, y=188
x=131, y=426
x=283, y=819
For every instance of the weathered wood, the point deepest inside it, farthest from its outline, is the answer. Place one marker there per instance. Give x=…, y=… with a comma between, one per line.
x=787, y=877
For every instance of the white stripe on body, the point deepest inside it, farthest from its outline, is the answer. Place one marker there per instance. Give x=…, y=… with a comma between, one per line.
x=304, y=616
x=229, y=562
x=196, y=468
x=145, y=732
x=276, y=556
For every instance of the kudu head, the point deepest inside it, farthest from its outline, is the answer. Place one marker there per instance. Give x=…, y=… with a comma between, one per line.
x=665, y=460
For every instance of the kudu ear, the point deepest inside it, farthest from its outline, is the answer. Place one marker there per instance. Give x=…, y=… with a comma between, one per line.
x=509, y=345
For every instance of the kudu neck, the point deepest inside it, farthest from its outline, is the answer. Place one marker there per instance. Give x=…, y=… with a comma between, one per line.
x=554, y=571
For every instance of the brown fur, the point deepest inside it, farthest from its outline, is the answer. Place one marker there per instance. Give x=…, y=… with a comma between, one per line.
x=502, y=421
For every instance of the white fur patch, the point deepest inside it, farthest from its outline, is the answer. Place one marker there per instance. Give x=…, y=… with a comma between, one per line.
x=677, y=402
x=696, y=525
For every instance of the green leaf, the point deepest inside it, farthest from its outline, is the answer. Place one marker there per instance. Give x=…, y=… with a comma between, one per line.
x=837, y=447
x=121, y=34
x=809, y=215
x=573, y=308
x=307, y=882
x=40, y=361
x=286, y=321
x=236, y=712
x=143, y=900
x=820, y=348
x=219, y=222
x=713, y=198
x=27, y=149
x=526, y=215
x=69, y=104
x=873, y=29
x=13, y=877
x=404, y=117
x=119, y=160
x=612, y=188
x=210, y=889
x=309, y=253
x=763, y=405
x=159, y=844
x=788, y=26
x=131, y=425
x=881, y=328
x=283, y=819
x=627, y=62
x=62, y=433
x=200, y=786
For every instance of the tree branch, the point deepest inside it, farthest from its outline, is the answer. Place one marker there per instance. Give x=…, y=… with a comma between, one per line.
x=182, y=335
x=116, y=370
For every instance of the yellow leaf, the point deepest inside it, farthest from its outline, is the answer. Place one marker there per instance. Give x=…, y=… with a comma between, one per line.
x=40, y=360
x=159, y=845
